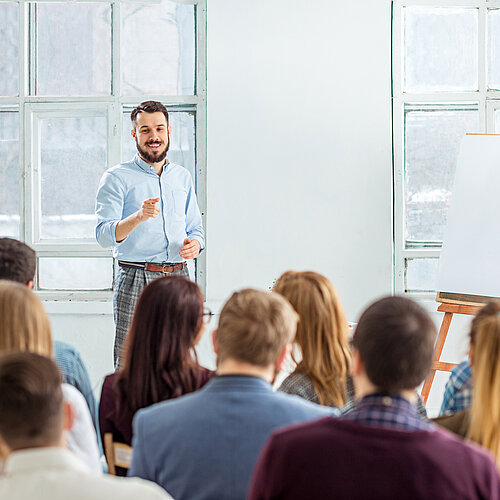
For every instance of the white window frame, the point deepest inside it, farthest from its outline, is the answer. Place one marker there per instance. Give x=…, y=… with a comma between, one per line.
x=31, y=108
x=487, y=101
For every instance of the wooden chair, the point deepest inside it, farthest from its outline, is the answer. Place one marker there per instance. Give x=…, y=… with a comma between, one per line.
x=117, y=454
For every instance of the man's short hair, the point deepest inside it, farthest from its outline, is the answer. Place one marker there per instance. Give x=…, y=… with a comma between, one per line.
x=395, y=340
x=148, y=107
x=31, y=400
x=254, y=327
x=17, y=261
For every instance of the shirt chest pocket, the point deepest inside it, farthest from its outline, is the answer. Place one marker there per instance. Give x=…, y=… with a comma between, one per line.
x=177, y=203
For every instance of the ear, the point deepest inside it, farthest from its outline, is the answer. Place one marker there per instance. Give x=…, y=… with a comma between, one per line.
x=30, y=284
x=278, y=364
x=357, y=366
x=214, y=341
x=169, y=130
x=132, y=132
x=68, y=416
x=5, y=451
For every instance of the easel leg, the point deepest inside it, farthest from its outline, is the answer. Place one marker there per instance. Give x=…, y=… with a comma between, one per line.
x=438, y=348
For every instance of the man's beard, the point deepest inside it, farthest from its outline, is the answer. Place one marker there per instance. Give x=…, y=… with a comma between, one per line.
x=152, y=157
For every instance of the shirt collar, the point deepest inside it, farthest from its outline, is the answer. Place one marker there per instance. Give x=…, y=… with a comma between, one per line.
x=43, y=458
x=144, y=165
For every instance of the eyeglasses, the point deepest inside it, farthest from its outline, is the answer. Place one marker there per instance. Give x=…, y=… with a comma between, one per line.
x=207, y=315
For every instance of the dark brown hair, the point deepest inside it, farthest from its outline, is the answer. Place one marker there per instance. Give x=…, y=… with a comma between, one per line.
x=31, y=400
x=148, y=107
x=159, y=359
x=17, y=261
x=395, y=340
x=254, y=327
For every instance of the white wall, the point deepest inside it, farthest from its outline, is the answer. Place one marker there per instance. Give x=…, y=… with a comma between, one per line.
x=299, y=159
x=299, y=145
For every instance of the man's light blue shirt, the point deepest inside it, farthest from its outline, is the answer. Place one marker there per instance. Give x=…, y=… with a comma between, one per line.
x=122, y=191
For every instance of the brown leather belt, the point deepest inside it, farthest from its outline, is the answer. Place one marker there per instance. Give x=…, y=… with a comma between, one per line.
x=151, y=266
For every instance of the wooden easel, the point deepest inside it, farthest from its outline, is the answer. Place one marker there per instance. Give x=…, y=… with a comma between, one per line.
x=451, y=303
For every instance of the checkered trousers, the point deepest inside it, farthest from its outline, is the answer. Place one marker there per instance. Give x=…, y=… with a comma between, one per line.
x=128, y=285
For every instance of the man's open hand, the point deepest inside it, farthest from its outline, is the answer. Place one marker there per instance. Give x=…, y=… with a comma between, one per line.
x=191, y=249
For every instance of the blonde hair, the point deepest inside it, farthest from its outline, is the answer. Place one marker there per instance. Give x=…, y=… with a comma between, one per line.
x=484, y=426
x=254, y=327
x=24, y=324
x=322, y=333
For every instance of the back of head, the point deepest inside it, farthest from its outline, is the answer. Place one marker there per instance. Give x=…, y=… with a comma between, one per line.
x=322, y=333
x=24, y=324
x=17, y=261
x=395, y=340
x=254, y=327
x=31, y=401
x=158, y=361
x=485, y=349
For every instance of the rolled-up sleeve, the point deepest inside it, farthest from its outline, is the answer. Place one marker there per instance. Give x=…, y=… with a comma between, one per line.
x=109, y=209
x=194, y=224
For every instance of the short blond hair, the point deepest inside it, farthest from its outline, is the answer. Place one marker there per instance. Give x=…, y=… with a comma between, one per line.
x=254, y=327
x=24, y=324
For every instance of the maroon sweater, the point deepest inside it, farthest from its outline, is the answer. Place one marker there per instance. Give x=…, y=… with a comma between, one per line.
x=335, y=458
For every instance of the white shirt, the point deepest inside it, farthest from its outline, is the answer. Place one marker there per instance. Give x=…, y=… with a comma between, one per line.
x=82, y=439
x=57, y=474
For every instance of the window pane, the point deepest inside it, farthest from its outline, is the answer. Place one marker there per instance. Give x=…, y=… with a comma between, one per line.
x=497, y=121
x=182, y=139
x=421, y=275
x=432, y=141
x=158, y=48
x=9, y=41
x=441, y=49
x=75, y=273
x=74, y=48
x=9, y=174
x=73, y=158
x=494, y=49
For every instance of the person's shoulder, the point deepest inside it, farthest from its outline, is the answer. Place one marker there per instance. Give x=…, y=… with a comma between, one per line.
x=129, y=488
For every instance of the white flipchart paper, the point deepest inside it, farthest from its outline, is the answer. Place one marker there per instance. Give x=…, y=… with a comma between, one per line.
x=470, y=258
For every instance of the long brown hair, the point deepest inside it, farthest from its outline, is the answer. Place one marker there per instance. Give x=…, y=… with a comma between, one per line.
x=24, y=324
x=159, y=359
x=484, y=426
x=322, y=333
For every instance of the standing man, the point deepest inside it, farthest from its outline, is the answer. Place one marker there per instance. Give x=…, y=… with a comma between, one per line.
x=147, y=211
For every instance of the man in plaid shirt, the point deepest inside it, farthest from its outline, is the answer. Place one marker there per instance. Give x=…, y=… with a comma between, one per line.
x=458, y=390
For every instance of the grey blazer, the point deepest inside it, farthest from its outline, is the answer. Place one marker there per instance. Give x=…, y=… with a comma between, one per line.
x=205, y=445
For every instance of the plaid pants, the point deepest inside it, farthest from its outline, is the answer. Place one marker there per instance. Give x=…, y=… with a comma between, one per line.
x=128, y=285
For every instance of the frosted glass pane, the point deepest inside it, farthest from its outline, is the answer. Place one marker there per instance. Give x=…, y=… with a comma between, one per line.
x=494, y=49
x=9, y=174
x=421, y=275
x=73, y=159
x=9, y=41
x=158, y=48
x=182, y=139
x=74, y=48
x=75, y=273
x=497, y=121
x=432, y=142
x=440, y=49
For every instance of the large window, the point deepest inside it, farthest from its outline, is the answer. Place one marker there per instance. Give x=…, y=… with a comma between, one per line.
x=71, y=72
x=446, y=83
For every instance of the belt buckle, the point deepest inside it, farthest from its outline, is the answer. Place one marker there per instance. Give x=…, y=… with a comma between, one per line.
x=164, y=269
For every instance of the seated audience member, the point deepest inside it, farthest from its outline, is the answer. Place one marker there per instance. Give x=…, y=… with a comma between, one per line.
x=458, y=390
x=159, y=361
x=32, y=419
x=381, y=449
x=205, y=445
x=481, y=422
x=25, y=326
x=18, y=263
x=322, y=339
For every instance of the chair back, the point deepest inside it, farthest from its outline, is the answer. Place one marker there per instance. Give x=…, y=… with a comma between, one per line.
x=117, y=454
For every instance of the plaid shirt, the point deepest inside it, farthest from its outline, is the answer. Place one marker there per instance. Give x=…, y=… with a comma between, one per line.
x=458, y=390
x=384, y=410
